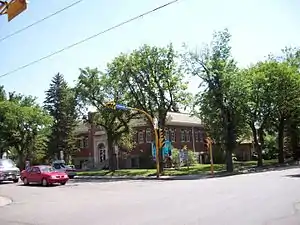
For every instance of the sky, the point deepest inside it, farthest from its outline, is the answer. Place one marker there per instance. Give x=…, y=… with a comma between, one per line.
x=258, y=27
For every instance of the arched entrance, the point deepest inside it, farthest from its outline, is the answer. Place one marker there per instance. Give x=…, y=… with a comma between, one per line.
x=101, y=153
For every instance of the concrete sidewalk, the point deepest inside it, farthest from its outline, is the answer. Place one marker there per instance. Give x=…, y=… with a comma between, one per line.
x=5, y=201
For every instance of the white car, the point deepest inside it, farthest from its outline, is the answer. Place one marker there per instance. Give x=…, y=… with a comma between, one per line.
x=60, y=165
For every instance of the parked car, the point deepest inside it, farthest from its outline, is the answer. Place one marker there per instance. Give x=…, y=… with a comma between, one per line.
x=9, y=171
x=44, y=175
x=60, y=165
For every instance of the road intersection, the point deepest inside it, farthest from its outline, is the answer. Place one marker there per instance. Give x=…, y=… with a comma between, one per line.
x=269, y=198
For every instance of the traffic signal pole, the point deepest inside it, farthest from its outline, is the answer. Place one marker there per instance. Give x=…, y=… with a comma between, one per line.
x=113, y=105
x=155, y=129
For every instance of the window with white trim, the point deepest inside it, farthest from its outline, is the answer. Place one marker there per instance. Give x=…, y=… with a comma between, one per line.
x=200, y=135
x=148, y=135
x=188, y=135
x=167, y=134
x=182, y=135
x=173, y=135
x=141, y=137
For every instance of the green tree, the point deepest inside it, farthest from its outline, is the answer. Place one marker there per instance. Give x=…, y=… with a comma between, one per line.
x=95, y=89
x=255, y=101
x=21, y=128
x=61, y=104
x=285, y=89
x=154, y=81
x=217, y=102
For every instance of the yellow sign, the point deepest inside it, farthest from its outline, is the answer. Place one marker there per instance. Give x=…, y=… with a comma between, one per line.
x=15, y=7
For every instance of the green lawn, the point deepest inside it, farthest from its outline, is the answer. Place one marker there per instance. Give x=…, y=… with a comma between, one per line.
x=195, y=169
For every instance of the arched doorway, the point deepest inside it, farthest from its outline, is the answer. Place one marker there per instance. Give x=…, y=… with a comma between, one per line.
x=101, y=153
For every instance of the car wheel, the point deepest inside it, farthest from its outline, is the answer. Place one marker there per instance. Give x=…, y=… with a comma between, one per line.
x=63, y=183
x=25, y=181
x=44, y=182
x=16, y=180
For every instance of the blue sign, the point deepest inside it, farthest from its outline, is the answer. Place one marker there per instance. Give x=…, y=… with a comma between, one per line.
x=121, y=107
x=166, y=150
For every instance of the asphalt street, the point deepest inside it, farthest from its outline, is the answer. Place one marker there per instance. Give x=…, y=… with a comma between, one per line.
x=270, y=198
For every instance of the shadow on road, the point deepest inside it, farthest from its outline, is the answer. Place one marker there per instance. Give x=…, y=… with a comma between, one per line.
x=293, y=176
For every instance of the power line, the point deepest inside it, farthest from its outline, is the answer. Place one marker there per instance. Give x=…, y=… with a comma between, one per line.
x=39, y=21
x=89, y=38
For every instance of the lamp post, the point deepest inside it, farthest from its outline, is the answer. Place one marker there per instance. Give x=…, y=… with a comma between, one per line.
x=257, y=126
x=154, y=122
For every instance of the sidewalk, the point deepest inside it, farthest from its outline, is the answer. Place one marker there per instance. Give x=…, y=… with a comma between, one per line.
x=5, y=201
x=192, y=177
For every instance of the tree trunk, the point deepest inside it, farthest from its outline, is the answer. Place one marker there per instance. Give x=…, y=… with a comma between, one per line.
x=257, y=145
x=294, y=140
x=280, y=141
x=230, y=141
x=111, y=152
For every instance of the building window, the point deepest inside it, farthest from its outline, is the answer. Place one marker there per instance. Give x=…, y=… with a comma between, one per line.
x=200, y=135
x=148, y=135
x=135, y=137
x=78, y=143
x=188, y=135
x=85, y=143
x=173, y=135
x=167, y=134
x=101, y=152
x=196, y=135
x=182, y=135
x=141, y=137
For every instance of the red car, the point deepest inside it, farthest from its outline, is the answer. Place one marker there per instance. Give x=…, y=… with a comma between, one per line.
x=45, y=175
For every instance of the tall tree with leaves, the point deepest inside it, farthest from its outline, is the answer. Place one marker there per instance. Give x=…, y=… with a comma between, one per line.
x=95, y=89
x=217, y=104
x=153, y=80
x=22, y=125
x=60, y=102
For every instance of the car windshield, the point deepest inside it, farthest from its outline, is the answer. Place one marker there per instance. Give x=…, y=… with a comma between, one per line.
x=47, y=169
x=59, y=166
x=7, y=163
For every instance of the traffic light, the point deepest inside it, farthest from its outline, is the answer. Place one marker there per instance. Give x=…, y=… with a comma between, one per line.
x=14, y=8
x=111, y=105
x=161, y=138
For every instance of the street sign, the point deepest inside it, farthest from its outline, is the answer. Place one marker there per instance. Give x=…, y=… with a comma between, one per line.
x=15, y=7
x=121, y=107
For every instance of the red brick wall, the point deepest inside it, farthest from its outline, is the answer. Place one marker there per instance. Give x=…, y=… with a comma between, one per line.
x=143, y=146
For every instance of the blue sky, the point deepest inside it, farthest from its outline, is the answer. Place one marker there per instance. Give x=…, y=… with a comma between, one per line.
x=258, y=27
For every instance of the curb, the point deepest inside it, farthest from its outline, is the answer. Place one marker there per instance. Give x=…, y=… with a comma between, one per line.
x=190, y=177
x=4, y=201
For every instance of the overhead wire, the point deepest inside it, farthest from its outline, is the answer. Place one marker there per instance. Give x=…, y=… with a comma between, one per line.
x=89, y=38
x=39, y=21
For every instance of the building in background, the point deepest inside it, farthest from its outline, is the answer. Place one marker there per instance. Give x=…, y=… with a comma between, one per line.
x=181, y=129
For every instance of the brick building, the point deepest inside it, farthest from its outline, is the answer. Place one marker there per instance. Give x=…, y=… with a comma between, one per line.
x=181, y=129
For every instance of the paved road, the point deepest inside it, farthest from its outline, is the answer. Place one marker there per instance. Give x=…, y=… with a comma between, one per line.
x=271, y=198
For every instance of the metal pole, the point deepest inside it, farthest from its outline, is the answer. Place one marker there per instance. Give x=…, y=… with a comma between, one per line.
x=211, y=159
x=155, y=134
